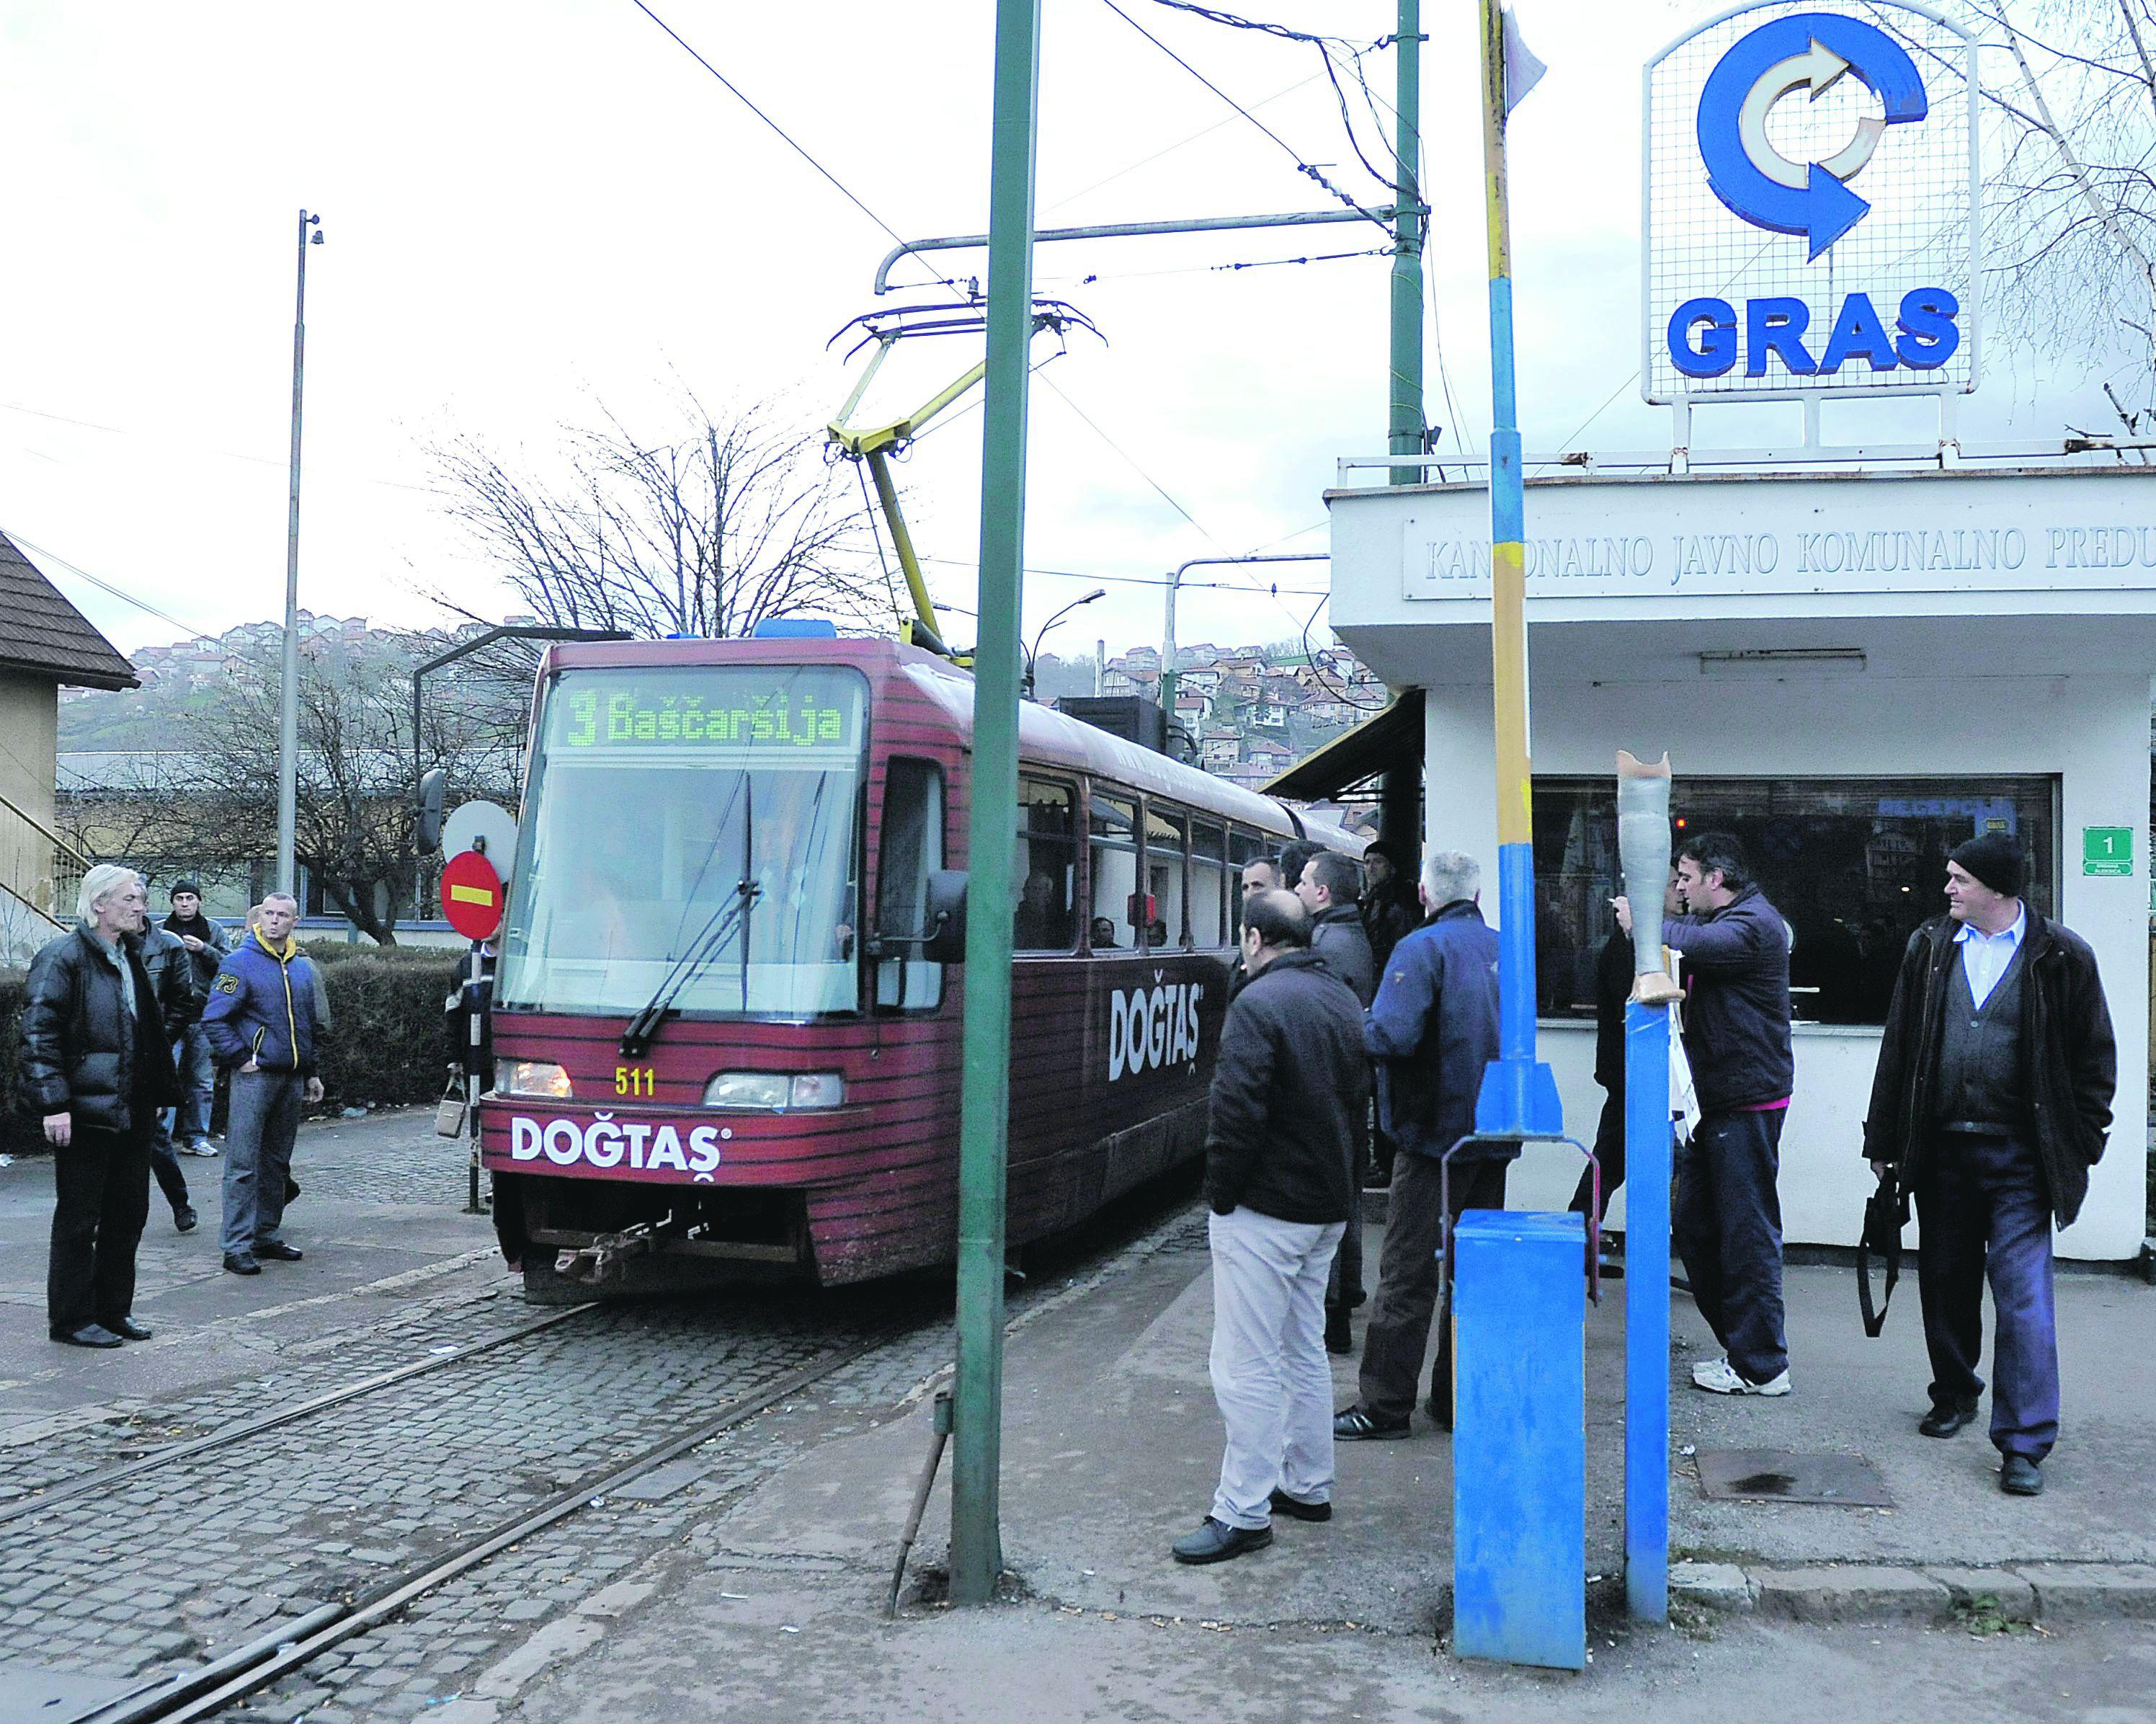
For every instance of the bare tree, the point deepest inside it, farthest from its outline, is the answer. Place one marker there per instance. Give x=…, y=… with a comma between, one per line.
x=212, y=805
x=707, y=530
x=2069, y=121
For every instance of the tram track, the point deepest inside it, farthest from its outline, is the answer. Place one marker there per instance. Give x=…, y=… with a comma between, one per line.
x=166, y=1455
x=246, y=1669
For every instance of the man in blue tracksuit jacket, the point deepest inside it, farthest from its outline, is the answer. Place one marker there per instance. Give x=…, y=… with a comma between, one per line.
x=262, y=1022
x=1431, y=1030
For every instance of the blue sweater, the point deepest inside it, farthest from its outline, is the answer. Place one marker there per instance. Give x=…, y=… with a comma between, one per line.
x=1433, y=1029
x=262, y=1007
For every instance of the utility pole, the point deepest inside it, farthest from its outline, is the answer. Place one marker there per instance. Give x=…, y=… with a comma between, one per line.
x=288, y=713
x=984, y=1119
x=1406, y=422
x=1175, y=584
x=1519, y=1096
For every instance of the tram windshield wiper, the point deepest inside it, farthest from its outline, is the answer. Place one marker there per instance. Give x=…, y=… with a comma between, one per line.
x=711, y=940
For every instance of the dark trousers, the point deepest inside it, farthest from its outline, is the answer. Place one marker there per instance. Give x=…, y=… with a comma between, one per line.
x=165, y=1163
x=1727, y=1226
x=102, y=1181
x=1608, y=1156
x=1408, y=1280
x=1345, y=1287
x=1981, y=1210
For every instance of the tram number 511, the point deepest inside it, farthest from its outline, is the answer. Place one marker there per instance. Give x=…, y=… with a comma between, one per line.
x=634, y=1080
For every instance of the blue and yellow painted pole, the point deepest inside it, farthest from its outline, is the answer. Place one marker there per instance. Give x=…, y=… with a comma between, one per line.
x=1519, y=1094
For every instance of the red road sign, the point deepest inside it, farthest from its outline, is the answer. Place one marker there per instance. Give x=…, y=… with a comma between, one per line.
x=471, y=895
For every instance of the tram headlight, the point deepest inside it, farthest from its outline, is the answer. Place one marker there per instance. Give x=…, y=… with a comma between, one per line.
x=775, y=1090
x=536, y=1076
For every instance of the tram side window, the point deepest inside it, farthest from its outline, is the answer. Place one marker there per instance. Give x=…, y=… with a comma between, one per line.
x=1208, y=888
x=911, y=846
x=1047, y=868
x=1113, y=853
x=1165, y=843
x=1244, y=848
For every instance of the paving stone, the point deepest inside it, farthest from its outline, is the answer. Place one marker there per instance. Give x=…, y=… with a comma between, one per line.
x=1997, y=1590
x=2092, y=1592
x=1712, y=1586
x=1857, y=1592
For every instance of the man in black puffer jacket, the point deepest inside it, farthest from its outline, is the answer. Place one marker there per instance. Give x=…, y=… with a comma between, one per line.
x=1289, y=1092
x=97, y=1068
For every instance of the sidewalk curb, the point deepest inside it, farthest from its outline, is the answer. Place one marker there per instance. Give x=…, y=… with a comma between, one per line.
x=1929, y=1592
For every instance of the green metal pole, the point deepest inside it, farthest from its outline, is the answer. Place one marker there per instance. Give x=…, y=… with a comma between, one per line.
x=977, y=1452
x=1406, y=415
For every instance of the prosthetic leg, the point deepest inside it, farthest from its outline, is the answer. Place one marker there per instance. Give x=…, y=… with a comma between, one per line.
x=1643, y=848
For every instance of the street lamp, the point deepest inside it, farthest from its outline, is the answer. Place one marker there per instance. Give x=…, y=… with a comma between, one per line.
x=288, y=716
x=1032, y=657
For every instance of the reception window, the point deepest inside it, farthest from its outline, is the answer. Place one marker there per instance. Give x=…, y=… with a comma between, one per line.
x=1853, y=864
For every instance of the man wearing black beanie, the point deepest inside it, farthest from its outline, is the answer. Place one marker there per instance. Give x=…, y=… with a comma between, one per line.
x=1991, y=1103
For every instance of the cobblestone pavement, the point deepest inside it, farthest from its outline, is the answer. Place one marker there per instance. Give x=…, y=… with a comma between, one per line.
x=183, y=1563
x=352, y=1159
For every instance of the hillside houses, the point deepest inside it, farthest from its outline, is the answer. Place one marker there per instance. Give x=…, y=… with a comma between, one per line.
x=1246, y=715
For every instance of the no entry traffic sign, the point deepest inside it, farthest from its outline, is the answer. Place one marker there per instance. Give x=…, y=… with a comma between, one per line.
x=471, y=895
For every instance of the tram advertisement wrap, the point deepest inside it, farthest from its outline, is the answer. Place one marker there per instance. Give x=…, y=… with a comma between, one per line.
x=608, y=1145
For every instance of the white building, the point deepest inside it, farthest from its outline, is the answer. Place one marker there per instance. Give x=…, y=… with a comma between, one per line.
x=1854, y=671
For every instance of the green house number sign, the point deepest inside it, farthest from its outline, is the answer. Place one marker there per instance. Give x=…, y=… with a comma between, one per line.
x=2107, y=849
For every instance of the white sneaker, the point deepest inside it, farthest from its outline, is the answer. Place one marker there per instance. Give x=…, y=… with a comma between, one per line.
x=1719, y=1376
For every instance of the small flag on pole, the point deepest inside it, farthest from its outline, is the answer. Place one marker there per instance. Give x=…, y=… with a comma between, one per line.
x=1522, y=71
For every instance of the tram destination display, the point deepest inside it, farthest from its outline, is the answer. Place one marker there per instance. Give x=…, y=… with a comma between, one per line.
x=734, y=707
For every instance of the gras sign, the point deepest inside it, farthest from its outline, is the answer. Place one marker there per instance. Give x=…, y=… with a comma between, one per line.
x=1812, y=205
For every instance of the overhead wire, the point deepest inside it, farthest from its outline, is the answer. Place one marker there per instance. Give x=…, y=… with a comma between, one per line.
x=1262, y=263
x=1205, y=132
x=1303, y=166
x=844, y=190
x=103, y=585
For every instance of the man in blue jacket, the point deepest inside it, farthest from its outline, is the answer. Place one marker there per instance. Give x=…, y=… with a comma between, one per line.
x=1728, y=1221
x=1432, y=1030
x=262, y=1022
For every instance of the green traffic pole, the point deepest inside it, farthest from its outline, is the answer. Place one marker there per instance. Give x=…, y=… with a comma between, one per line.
x=977, y=1434
x=1405, y=417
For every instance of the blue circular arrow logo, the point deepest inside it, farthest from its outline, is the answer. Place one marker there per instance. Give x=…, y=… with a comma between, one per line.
x=1808, y=49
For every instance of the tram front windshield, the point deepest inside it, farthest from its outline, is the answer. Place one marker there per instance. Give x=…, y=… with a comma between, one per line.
x=689, y=831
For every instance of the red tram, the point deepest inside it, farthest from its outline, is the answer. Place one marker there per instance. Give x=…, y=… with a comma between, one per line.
x=720, y=1053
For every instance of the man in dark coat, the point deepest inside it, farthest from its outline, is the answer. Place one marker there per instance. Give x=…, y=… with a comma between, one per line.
x=1727, y=1223
x=171, y=968
x=96, y=1069
x=1287, y=1101
x=207, y=945
x=1991, y=1103
x=1330, y=889
x=1432, y=1031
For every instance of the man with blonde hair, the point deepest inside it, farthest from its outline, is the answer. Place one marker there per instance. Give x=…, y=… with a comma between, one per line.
x=97, y=1068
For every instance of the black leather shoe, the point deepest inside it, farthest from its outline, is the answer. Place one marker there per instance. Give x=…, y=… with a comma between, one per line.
x=1946, y=1418
x=127, y=1329
x=1358, y=1424
x=2018, y=1476
x=1216, y=1541
x=241, y=1265
x=1338, y=1337
x=1295, y=1509
x=184, y=1219
x=278, y=1250
x=1441, y=1416
x=91, y=1334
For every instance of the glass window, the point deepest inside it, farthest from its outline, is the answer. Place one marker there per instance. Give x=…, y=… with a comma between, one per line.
x=1112, y=844
x=911, y=849
x=1853, y=864
x=1165, y=844
x=689, y=830
x=1244, y=848
x=1209, y=882
x=1047, y=868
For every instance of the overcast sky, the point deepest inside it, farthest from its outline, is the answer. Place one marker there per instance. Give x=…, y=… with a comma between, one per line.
x=533, y=208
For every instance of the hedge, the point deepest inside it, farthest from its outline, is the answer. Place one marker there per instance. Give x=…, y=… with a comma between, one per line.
x=388, y=1044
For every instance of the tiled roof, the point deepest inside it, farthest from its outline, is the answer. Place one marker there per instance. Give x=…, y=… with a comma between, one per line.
x=41, y=634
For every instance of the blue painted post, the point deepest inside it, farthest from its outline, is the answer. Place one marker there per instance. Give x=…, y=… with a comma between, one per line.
x=1519, y=1439
x=1647, y=1139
